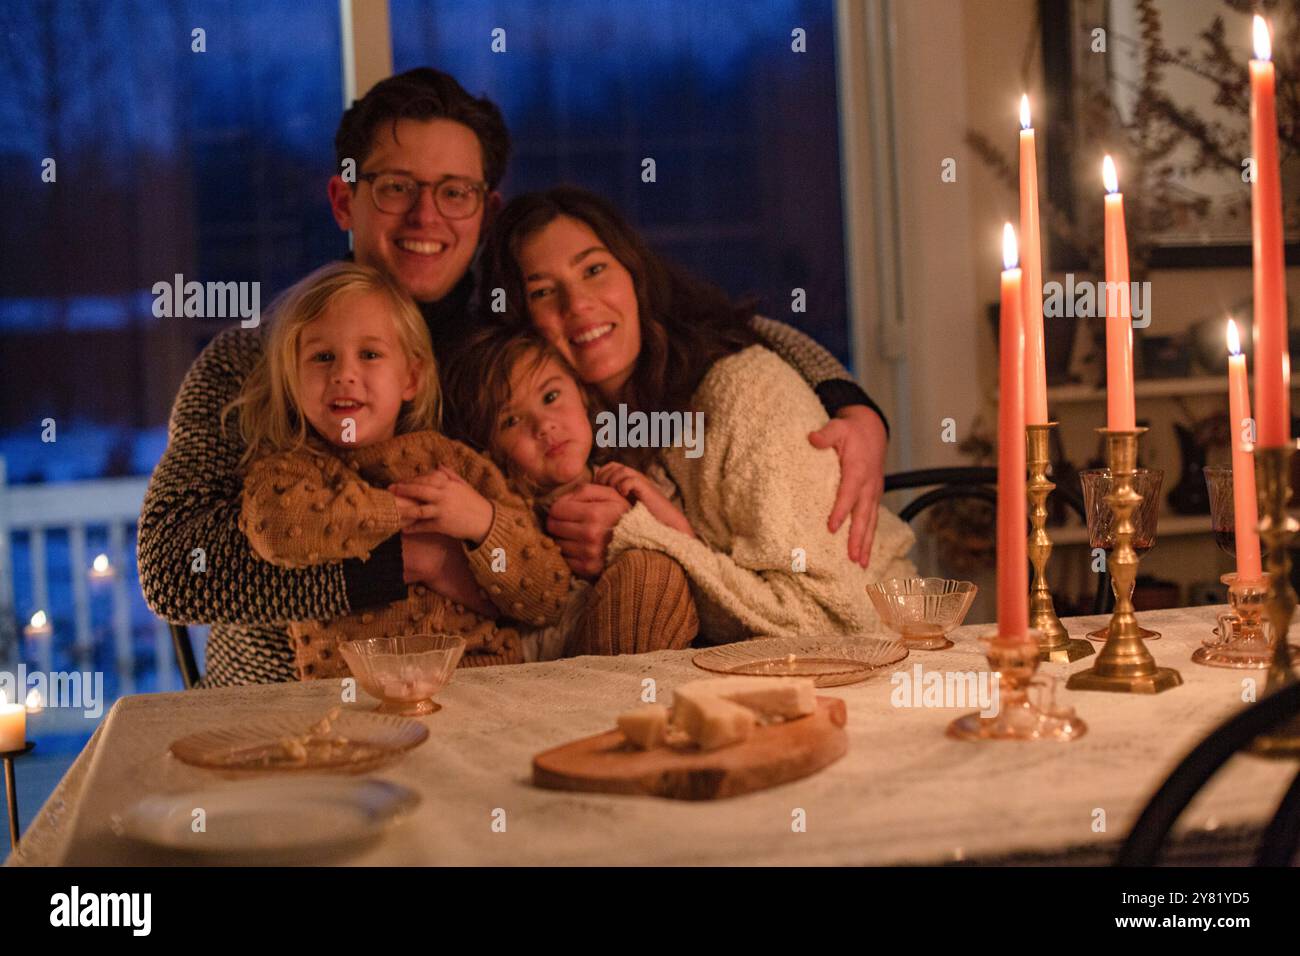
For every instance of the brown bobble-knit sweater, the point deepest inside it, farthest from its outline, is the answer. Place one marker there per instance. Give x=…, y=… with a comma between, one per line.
x=316, y=505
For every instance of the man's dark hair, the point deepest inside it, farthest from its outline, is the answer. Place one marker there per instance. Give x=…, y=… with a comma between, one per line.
x=423, y=94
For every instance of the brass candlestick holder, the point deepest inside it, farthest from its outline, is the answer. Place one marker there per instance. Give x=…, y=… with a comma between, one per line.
x=1277, y=528
x=1015, y=716
x=1097, y=484
x=1124, y=664
x=1054, y=643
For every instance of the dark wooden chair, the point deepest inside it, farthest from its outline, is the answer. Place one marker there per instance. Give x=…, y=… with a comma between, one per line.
x=1281, y=837
x=185, y=660
x=979, y=482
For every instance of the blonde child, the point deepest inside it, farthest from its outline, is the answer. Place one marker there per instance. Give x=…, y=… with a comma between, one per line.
x=517, y=398
x=339, y=419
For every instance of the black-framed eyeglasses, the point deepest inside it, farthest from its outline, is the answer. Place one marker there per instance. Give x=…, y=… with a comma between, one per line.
x=396, y=193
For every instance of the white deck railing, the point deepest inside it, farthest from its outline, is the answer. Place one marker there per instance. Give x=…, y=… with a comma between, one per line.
x=76, y=507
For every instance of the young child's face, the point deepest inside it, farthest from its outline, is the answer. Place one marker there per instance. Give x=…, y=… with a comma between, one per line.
x=352, y=372
x=544, y=429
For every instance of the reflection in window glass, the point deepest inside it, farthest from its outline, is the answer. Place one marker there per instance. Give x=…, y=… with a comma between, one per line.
x=741, y=128
x=165, y=161
x=129, y=156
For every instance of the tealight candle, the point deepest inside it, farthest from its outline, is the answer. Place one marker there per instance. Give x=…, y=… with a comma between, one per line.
x=100, y=568
x=13, y=725
x=39, y=626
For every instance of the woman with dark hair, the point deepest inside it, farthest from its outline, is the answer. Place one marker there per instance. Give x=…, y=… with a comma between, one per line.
x=653, y=341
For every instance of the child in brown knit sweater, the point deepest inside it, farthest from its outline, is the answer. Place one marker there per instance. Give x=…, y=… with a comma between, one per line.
x=516, y=397
x=340, y=420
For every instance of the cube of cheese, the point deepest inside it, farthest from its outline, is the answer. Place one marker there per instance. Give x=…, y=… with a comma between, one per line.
x=645, y=727
x=711, y=721
x=769, y=697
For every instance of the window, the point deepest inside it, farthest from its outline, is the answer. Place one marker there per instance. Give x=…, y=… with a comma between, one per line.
x=166, y=160
x=742, y=129
x=134, y=149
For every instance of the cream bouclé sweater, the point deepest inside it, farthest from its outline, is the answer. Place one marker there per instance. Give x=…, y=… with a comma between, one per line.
x=759, y=498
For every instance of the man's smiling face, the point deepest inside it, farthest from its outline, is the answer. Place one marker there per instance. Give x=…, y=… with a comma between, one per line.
x=423, y=250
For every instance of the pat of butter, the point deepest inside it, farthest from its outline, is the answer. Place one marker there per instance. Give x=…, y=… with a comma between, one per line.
x=646, y=727
x=769, y=697
x=711, y=721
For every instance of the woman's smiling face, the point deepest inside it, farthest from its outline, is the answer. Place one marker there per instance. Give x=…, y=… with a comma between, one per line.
x=582, y=299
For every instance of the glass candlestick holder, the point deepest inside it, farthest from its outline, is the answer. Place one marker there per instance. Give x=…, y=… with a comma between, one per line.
x=1015, y=711
x=1241, y=635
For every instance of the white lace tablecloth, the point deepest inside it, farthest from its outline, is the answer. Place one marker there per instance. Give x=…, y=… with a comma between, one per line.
x=903, y=793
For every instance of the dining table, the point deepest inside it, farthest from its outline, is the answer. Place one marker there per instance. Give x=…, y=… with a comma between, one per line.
x=903, y=793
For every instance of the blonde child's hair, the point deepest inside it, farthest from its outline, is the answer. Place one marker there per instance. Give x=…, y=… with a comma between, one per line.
x=269, y=404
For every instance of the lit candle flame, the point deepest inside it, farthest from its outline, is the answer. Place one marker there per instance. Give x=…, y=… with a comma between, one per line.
x=1234, y=340
x=100, y=564
x=39, y=620
x=34, y=701
x=1024, y=111
x=1109, y=176
x=1010, y=250
x=1263, y=43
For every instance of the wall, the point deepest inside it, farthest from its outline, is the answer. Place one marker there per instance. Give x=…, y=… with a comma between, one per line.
x=964, y=65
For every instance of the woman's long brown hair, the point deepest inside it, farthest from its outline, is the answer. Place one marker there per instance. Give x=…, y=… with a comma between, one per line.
x=686, y=324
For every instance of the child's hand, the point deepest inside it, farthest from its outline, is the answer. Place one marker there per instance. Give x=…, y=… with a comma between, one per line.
x=408, y=511
x=634, y=486
x=442, y=502
x=628, y=482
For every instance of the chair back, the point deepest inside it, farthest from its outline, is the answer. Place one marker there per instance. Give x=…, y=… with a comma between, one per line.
x=1281, y=837
x=185, y=661
x=980, y=482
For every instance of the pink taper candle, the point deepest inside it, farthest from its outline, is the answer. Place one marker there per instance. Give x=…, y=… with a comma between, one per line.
x=1013, y=554
x=1244, y=503
x=1272, y=358
x=1119, y=321
x=1031, y=256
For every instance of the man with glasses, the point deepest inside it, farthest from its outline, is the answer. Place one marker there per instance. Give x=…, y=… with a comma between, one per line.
x=454, y=196
x=428, y=159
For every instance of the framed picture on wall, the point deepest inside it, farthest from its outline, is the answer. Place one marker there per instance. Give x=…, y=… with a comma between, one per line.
x=1163, y=86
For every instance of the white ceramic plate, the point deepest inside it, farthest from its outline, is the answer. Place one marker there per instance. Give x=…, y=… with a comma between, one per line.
x=286, y=819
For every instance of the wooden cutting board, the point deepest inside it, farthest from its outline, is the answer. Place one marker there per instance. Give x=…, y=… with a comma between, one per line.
x=607, y=763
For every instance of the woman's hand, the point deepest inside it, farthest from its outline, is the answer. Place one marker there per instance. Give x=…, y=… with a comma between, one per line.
x=582, y=523
x=443, y=502
x=858, y=436
x=634, y=486
x=438, y=562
